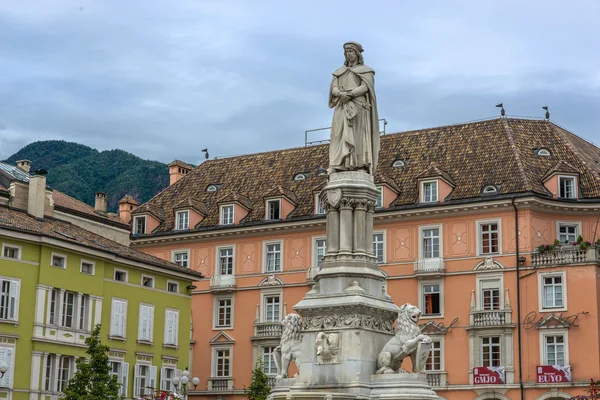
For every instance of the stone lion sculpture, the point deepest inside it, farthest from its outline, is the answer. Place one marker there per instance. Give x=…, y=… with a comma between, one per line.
x=290, y=346
x=407, y=342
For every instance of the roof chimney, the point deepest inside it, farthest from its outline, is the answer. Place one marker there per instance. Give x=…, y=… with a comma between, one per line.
x=177, y=170
x=126, y=206
x=24, y=165
x=37, y=196
x=100, y=204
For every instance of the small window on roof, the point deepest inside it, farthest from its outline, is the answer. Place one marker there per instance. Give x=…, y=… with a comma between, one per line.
x=211, y=188
x=398, y=164
x=490, y=189
x=300, y=177
x=543, y=152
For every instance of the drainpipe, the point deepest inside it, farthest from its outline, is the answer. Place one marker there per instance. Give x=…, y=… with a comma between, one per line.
x=519, y=339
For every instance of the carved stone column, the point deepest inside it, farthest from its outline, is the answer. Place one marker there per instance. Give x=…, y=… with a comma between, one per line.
x=369, y=227
x=360, y=229
x=333, y=234
x=346, y=226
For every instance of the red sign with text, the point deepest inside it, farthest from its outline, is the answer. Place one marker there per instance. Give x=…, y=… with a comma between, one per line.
x=488, y=375
x=553, y=373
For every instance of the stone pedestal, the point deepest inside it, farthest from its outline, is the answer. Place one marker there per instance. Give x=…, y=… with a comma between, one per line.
x=347, y=318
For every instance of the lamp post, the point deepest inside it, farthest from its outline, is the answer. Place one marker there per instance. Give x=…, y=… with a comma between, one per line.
x=184, y=381
x=3, y=369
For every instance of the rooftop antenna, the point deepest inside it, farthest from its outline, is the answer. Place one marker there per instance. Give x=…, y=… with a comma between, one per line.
x=205, y=151
x=502, y=112
x=547, y=112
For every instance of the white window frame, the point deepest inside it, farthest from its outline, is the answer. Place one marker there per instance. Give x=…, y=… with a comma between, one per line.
x=178, y=225
x=216, y=326
x=489, y=277
x=379, y=204
x=87, y=262
x=148, y=276
x=541, y=276
x=272, y=359
x=574, y=179
x=315, y=248
x=62, y=308
x=112, y=316
x=71, y=370
x=122, y=375
x=17, y=298
x=268, y=209
x=135, y=224
x=122, y=271
x=568, y=223
x=176, y=328
x=318, y=203
x=479, y=239
x=218, y=259
x=553, y=332
x=422, y=299
x=384, y=233
x=438, y=338
x=169, y=282
x=64, y=257
x=174, y=254
x=263, y=303
x=145, y=339
x=268, y=243
x=500, y=345
x=437, y=191
x=441, y=236
x=165, y=383
x=12, y=246
x=148, y=377
x=215, y=349
x=222, y=214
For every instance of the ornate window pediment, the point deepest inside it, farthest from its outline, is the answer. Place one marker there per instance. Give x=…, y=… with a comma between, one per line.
x=271, y=280
x=488, y=264
x=222, y=338
x=557, y=321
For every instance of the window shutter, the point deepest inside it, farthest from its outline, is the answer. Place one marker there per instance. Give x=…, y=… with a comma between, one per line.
x=168, y=326
x=142, y=324
x=13, y=302
x=163, y=380
x=125, y=375
x=115, y=318
x=6, y=357
x=175, y=325
x=136, y=381
x=150, y=324
x=153, y=376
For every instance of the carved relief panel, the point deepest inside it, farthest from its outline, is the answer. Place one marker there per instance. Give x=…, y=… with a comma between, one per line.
x=202, y=261
x=248, y=258
x=459, y=239
x=540, y=230
x=404, y=244
x=297, y=254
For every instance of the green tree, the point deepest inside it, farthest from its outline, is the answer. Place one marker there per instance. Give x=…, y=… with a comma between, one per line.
x=93, y=380
x=259, y=387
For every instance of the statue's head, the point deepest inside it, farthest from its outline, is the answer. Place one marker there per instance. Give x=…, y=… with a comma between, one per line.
x=352, y=52
x=412, y=313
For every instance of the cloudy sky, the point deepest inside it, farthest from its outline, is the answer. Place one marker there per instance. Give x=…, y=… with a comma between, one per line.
x=165, y=79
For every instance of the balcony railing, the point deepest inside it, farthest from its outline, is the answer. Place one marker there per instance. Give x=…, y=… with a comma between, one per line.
x=220, y=384
x=565, y=255
x=437, y=378
x=271, y=382
x=267, y=329
x=222, y=282
x=482, y=318
x=311, y=273
x=429, y=265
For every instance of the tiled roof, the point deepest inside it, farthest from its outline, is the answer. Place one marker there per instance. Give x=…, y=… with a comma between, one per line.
x=562, y=166
x=470, y=155
x=282, y=191
x=128, y=199
x=68, y=204
x=434, y=171
x=69, y=233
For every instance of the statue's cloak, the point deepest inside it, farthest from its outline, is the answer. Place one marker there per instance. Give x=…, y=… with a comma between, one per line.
x=366, y=75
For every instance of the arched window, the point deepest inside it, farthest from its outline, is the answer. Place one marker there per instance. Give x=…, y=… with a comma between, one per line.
x=211, y=188
x=398, y=164
x=543, y=152
x=490, y=189
x=300, y=177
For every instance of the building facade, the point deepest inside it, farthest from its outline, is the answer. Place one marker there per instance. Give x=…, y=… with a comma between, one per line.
x=58, y=281
x=480, y=225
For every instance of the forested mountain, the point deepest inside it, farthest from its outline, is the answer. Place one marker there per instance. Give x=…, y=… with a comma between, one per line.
x=81, y=171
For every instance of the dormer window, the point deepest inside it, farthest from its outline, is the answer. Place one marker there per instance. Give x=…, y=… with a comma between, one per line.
x=227, y=215
x=183, y=220
x=398, y=164
x=566, y=187
x=273, y=209
x=429, y=191
x=490, y=190
x=379, y=203
x=543, y=152
x=211, y=188
x=319, y=204
x=139, y=225
x=300, y=177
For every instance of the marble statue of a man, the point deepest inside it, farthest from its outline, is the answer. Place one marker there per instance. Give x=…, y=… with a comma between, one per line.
x=354, y=141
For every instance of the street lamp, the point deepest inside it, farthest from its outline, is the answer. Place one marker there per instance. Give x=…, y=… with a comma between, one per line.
x=184, y=381
x=3, y=369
